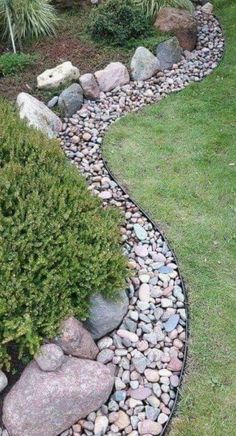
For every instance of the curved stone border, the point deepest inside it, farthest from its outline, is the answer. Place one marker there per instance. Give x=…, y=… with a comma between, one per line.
x=151, y=369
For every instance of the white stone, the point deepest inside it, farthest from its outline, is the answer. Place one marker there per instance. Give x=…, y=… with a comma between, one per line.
x=57, y=76
x=144, y=292
x=100, y=426
x=38, y=115
x=128, y=335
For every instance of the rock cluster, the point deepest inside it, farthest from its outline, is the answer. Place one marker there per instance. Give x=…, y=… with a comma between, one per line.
x=148, y=348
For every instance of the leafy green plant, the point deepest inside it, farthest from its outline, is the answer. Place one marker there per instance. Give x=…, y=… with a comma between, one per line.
x=58, y=246
x=151, y=7
x=116, y=22
x=11, y=63
x=21, y=19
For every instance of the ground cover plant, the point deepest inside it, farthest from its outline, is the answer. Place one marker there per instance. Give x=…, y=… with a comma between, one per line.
x=117, y=22
x=178, y=159
x=12, y=63
x=58, y=246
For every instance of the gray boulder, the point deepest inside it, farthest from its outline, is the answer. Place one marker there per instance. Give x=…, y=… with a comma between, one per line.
x=75, y=340
x=144, y=64
x=71, y=99
x=38, y=115
x=168, y=53
x=90, y=86
x=48, y=403
x=106, y=315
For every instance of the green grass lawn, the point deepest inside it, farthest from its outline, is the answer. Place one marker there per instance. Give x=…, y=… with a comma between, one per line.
x=178, y=160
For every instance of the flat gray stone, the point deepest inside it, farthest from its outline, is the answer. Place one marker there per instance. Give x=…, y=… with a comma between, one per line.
x=171, y=323
x=168, y=53
x=38, y=115
x=71, y=99
x=106, y=315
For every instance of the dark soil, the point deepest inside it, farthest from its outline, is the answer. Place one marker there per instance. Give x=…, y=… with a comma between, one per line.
x=70, y=44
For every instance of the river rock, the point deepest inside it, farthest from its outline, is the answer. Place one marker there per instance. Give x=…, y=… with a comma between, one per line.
x=115, y=74
x=181, y=23
x=75, y=340
x=100, y=426
x=148, y=427
x=144, y=64
x=38, y=115
x=50, y=357
x=90, y=87
x=57, y=76
x=48, y=403
x=106, y=315
x=168, y=53
x=71, y=99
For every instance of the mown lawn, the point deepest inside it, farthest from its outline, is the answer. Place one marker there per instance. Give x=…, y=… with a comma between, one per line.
x=178, y=160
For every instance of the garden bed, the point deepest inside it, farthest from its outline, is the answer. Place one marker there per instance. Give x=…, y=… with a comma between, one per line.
x=70, y=43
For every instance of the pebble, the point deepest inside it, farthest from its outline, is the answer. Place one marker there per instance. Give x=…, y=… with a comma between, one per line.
x=122, y=420
x=140, y=232
x=140, y=393
x=128, y=335
x=141, y=251
x=148, y=427
x=100, y=426
x=152, y=375
x=105, y=356
x=144, y=292
x=105, y=342
x=171, y=323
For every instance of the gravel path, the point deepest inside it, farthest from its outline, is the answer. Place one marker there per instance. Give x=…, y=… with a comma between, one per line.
x=149, y=347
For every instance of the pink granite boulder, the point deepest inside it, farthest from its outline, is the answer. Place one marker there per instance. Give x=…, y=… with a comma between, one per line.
x=47, y=403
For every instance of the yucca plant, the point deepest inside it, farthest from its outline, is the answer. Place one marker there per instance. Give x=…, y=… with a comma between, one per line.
x=151, y=7
x=21, y=19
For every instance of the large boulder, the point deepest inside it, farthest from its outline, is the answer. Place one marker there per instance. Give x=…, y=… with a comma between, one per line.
x=90, y=86
x=47, y=403
x=115, y=74
x=58, y=76
x=71, y=99
x=181, y=23
x=38, y=115
x=168, y=53
x=106, y=315
x=144, y=64
x=75, y=340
